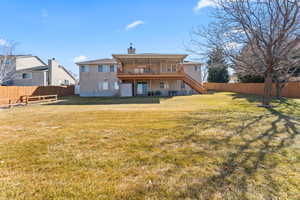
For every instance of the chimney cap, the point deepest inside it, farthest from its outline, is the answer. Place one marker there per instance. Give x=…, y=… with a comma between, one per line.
x=131, y=49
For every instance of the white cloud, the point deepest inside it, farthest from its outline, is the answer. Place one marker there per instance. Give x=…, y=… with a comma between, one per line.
x=204, y=3
x=134, y=24
x=232, y=45
x=3, y=42
x=79, y=58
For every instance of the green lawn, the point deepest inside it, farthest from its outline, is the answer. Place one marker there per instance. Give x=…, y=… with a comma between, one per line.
x=216, y=146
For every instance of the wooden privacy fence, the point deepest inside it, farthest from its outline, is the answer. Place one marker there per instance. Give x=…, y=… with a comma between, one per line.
x=291, y=90
x=13, y=94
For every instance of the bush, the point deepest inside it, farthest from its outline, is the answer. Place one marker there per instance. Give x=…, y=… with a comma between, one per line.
x=251, y=79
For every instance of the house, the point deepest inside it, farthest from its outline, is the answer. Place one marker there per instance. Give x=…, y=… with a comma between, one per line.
x=140, y=75
x=28, y=70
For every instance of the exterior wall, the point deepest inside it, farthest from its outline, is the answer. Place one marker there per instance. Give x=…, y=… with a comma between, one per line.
x=89, y=82
x=39, y=78
x=196, y=75
x=28, y=62
x=58, y=75
x=190, y=70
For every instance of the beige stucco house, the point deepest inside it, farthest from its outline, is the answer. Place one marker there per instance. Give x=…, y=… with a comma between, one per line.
x=140, y=75
x=28, y=70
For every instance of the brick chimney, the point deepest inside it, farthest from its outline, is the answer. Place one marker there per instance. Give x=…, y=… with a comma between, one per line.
x=131, y=50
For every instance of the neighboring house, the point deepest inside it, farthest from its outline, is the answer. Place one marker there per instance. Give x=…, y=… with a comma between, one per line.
x=30, y=70
x=140, y=75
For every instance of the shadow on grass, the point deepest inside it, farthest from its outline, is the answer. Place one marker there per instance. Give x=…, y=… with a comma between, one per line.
x=249, y=152
x=249, y=97
x=76, y=100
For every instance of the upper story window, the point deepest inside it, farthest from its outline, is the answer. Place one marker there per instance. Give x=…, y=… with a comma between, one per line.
x=174, y=68
x=8, y=62
x=103, y=68
x=84, y=68
x=197, y=68
x=26, y=76
x=166, y=67
x=113, y=68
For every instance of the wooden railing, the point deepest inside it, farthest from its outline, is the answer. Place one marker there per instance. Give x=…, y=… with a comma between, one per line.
x=38, y=99
x=194, y=84
x=122, y=71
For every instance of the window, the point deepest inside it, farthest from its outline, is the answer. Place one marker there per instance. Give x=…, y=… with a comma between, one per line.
x=169, y=68
x=182, y=85
x=173, y=68
x=113, y=68
x=197, y=68
x=26, y=76
x=84, y=68
x=66, y=82
x=162, y=85
x=105, y=85
x=116, y=85
x=103, y=68
x=7, y=62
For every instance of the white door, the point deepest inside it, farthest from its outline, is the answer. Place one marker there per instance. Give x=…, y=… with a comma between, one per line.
x=126, y=90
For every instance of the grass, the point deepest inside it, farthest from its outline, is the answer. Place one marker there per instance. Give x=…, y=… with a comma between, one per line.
x=217, y=146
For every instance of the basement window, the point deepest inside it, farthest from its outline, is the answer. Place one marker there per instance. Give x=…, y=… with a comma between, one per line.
x=26, y=76
x=162, y=85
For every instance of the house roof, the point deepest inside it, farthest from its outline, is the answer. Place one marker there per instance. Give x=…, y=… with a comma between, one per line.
x=26, y=56
x=191, y=63
x=98, y=61
x=149, y=55
x=67, y=71
x=38, y=68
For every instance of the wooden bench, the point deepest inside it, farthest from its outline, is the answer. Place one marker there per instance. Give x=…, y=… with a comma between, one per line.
x=38, y=99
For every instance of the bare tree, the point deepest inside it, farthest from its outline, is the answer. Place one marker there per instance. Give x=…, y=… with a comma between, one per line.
x=7, y=68
x=268, y=29
x=286, y=69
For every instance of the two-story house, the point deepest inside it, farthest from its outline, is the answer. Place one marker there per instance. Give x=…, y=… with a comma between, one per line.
x=28, y=70
x=140, y=75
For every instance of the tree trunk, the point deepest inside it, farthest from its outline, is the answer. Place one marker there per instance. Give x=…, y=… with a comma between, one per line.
x=278, y=90
x=267, y=90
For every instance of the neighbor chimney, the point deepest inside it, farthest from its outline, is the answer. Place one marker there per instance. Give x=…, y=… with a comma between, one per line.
x=131, y=50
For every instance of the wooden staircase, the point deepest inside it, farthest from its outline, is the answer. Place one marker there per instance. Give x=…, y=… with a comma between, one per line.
x=187, y=79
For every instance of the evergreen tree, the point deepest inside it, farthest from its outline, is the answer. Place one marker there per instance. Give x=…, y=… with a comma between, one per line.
x=217, y=67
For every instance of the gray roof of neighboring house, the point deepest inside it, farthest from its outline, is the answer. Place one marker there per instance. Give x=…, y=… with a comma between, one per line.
x=192, y=63
x=67, y=71
x=38, y=68
x=98, y=61
x=27, y=56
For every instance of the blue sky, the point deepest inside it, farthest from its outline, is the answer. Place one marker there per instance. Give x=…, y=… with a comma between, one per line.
x=93, y=29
